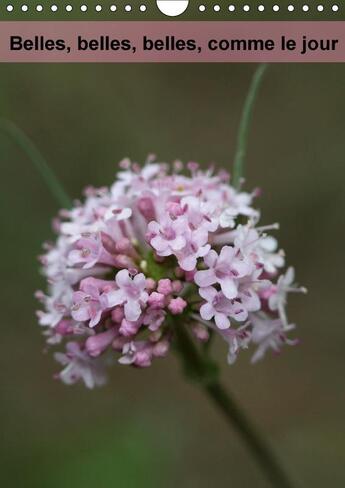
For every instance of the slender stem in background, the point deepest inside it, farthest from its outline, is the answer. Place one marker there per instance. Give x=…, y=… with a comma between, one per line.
x=23, y=141
x=202, y=371
x=243, y=130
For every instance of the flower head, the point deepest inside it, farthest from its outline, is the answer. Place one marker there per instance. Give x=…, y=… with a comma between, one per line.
x=154, y=249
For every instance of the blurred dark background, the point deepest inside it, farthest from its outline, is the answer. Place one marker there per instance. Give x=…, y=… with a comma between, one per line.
x=151, y=428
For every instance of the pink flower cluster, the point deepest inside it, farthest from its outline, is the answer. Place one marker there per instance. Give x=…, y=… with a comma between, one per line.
x=155, y=246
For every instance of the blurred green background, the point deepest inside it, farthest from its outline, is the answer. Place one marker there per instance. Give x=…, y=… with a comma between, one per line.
x=151, y=428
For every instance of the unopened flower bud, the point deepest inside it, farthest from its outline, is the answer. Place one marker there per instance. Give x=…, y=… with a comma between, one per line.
x=97, y=344
x=156, y=300
x=177, y=305
x=164, y=286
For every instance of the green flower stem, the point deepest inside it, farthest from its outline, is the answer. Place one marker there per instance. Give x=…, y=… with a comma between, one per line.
x=202, y=370
x=243, y=130
x=23, y=141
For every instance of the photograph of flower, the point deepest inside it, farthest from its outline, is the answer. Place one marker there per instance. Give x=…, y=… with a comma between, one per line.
x=186, y=205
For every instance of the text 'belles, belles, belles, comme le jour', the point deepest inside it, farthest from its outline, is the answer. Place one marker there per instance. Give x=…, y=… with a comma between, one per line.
x=301, y=44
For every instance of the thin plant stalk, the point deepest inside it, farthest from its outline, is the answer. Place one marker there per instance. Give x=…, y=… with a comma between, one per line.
x=243, y=130
x=201, y=370
x=38, y=161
